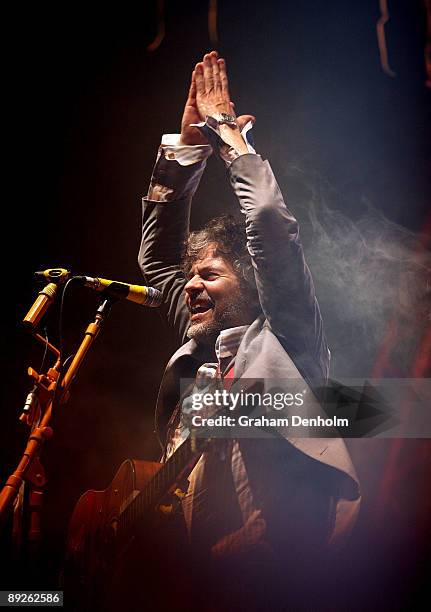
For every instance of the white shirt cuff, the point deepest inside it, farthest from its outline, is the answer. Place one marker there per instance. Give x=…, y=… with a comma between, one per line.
x=185, y=155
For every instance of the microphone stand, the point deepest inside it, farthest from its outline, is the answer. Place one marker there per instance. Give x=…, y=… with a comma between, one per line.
x=49, y=391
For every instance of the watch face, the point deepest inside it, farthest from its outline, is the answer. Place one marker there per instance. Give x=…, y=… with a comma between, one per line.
x=221, y=118
x=227, y=118
x=214, y=121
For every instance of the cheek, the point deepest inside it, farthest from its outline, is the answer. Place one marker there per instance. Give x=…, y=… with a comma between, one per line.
x=223, y=290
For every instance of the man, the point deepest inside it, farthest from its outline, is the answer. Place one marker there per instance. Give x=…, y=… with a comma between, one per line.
x=242, y=306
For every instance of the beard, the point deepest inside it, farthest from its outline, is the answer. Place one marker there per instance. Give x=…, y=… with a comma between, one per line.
x=226, y=315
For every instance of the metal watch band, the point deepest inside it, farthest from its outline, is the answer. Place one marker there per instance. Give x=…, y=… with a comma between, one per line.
x=221, y=119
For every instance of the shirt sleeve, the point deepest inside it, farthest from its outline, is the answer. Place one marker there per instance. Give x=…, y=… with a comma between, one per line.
x=283, y=279
x=166, y=185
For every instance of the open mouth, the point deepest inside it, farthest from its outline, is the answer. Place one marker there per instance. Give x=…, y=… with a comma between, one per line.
x=199, y=309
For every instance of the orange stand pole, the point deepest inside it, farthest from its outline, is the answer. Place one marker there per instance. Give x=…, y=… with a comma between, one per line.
x=29, y=468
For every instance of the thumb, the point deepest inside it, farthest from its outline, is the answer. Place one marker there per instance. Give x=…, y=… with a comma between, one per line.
x=242, y=120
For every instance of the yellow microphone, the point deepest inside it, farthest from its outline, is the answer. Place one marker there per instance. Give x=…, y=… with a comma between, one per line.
x=146, y=296
x=54, y=277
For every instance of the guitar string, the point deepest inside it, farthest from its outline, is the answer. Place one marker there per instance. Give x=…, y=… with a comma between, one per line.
x=155, y=487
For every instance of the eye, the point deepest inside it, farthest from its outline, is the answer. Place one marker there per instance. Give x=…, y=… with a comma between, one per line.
x=210, y=275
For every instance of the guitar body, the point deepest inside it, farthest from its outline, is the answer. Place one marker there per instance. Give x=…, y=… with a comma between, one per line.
x=122, y=541
x=96, y=562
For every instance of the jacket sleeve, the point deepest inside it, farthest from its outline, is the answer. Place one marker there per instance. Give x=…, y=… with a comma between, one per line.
x=284, y=282
x=165, y=227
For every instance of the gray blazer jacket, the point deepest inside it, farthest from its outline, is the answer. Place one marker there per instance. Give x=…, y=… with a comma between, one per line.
x=286, y=342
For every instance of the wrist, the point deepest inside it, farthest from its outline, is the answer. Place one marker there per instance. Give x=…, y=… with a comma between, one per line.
x=191, y=136
x=232, y=136
x=185, y=142
x=226, y=138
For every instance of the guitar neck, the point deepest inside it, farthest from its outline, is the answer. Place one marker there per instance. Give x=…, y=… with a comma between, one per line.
x=160, y=483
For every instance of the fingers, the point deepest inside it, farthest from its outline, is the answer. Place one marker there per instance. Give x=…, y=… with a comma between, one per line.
x=211, y=86
x=211, y=75
x=208, y=72
x=199, y=78
x=192, y=91
x=216, y=73
x=223, y=78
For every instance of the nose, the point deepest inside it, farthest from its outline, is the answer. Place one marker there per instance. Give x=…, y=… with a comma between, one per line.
x=194, y=285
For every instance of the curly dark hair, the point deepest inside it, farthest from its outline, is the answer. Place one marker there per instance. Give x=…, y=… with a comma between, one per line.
x=228, y=235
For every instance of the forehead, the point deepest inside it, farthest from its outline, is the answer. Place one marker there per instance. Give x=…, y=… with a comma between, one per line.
x=209, y=258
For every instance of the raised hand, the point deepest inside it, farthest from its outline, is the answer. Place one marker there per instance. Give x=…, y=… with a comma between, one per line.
x=209, y=96
x=212, y=86
x=212, y=89
x=191, y=135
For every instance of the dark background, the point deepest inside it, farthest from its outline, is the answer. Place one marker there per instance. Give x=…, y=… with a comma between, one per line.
x=86, y=106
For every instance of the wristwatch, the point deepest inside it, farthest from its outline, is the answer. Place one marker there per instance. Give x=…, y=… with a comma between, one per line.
x=221, y=119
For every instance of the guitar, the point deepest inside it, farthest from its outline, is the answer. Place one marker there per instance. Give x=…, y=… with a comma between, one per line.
x=102, y=542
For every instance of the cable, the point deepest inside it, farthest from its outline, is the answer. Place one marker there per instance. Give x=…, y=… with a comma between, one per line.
x=45, y=330
x=61, y=344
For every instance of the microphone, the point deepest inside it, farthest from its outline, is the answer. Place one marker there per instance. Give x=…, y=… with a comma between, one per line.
x=53, y=275
x=146, y=296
